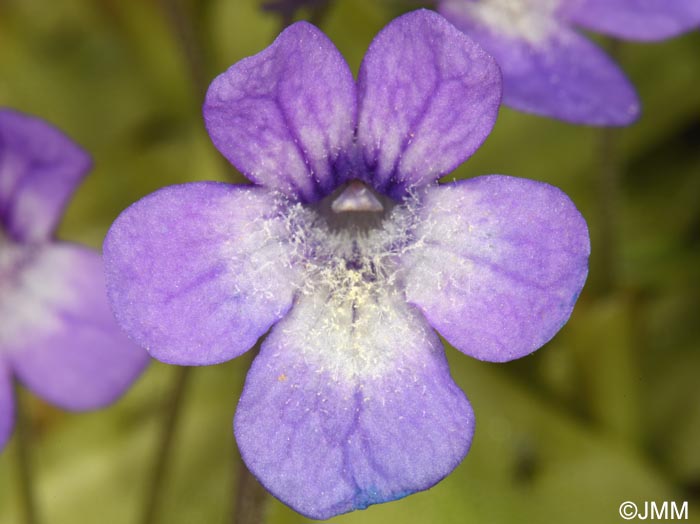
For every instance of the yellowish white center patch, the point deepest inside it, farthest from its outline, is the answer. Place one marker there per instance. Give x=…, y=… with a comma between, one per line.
x=350, y=318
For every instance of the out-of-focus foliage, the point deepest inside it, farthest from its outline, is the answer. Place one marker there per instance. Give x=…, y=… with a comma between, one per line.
x=608, y=411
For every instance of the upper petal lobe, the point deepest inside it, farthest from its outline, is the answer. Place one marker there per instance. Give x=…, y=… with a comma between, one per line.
x=499, y=264
x=286, y=116
x=39, y=169
x=59, y=335
x=428, y=98
x=351, y=404
x=197, y=272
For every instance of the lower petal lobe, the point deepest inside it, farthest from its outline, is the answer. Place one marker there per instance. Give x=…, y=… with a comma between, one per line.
x=60, y=337
x=7, y=405
x=350, y=406
x=636, y=19
x=499, y=265
x=197, y=272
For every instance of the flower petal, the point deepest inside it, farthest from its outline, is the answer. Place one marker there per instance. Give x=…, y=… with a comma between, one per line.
x=636, y=19
x=351, y=406
x=197, y=272
x=39, y=169
x=286, y=116
x=554, y=72
x=500, y=264
x=428, y=98
x=59, y=334
x=7, y=405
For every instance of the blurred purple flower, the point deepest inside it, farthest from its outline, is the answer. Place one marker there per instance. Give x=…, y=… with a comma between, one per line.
x=348, y=247
x=549, y=68
x=57, y=332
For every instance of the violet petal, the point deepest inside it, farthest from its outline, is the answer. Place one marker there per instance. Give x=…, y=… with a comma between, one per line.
x=500, y=264
x=59, y=335
x=286, y=116
x=40, y=168
x=345, y=407
x=643, y=20
x=7, y=405
x=197, y=272
x=554, y=71
x=428, y=98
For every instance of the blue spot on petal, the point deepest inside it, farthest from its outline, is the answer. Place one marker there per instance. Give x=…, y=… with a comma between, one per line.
x=366, y=497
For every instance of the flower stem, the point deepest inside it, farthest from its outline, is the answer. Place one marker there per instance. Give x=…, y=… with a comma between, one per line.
x=250, y=502
x=190, y=43
x=251, y=498
x=316, y=12
x=182, y=29
x=608, y=197
x=320, y=12
x=23, y=437
x=170, y=421
x=608, y=193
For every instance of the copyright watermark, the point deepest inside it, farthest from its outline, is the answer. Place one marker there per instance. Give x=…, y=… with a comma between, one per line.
x=628, y=510
x=652, y=510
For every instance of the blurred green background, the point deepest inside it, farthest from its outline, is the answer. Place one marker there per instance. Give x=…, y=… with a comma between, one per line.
x=608, y=411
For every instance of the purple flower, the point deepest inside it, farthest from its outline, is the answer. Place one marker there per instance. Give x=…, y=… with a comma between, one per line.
x=348, y=247
x=57, y=333
x=549, y=68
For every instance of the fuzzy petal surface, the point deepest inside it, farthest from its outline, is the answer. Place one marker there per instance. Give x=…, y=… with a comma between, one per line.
x=286, y=116
x=499, y=264
x=7, y=404
x=428, y=98
x=59, y=335
x=197, y=272
x=40, y=168
x=554, y=71
x=347, y=407
x=644, y=20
